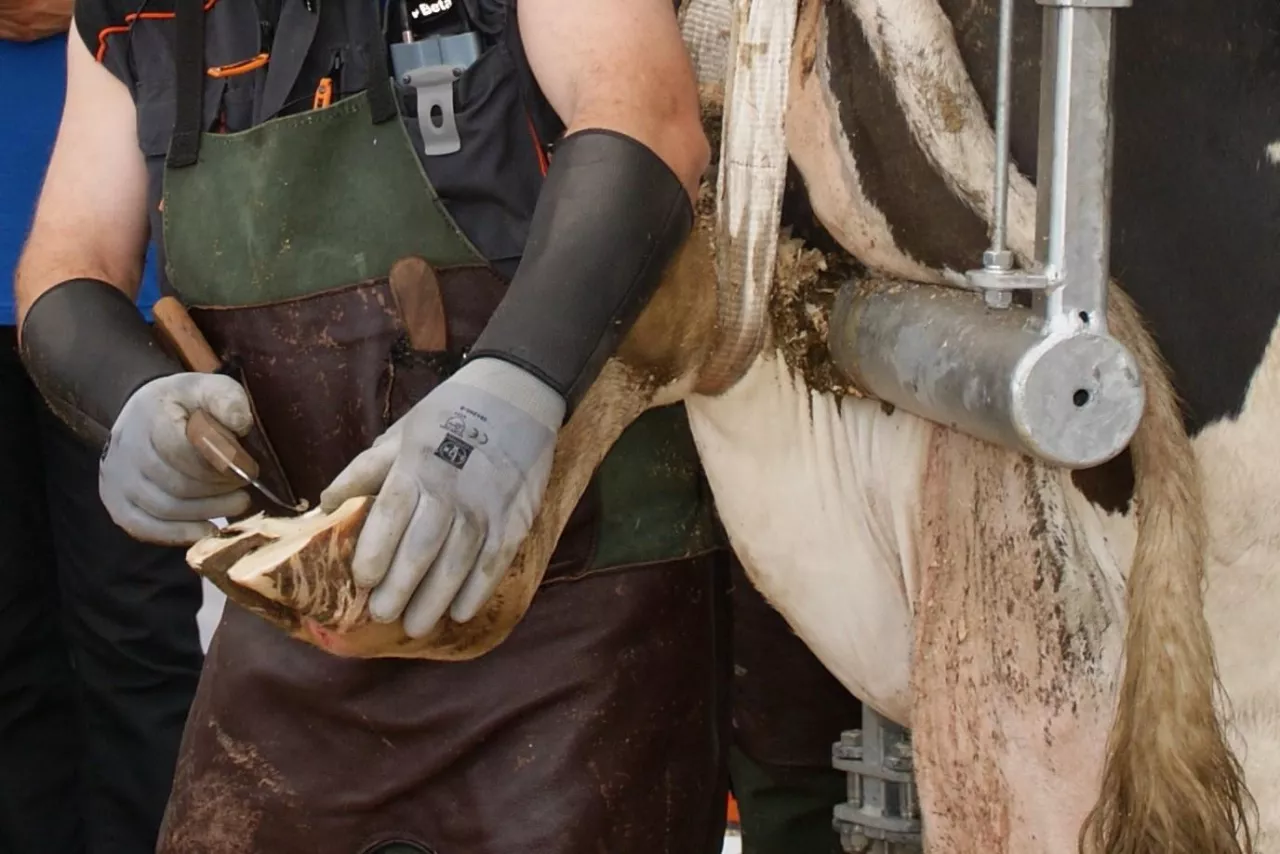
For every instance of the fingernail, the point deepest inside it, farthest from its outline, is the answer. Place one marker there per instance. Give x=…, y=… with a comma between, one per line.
x=378, y=609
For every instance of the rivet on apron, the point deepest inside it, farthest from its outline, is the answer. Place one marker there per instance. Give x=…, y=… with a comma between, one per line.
x=398, y=847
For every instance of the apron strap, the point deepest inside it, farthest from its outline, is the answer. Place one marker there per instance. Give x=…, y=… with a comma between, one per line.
x=382, y=99
x=295, y=32
x=188, y=122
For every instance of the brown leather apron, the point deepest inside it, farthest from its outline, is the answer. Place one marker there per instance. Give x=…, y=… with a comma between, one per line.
x=596, y=727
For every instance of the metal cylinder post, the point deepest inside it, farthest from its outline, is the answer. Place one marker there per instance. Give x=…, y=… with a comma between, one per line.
x=1072, y=399
x=1073, y=216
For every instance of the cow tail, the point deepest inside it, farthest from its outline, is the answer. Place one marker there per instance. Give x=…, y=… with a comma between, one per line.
x=1171, y=784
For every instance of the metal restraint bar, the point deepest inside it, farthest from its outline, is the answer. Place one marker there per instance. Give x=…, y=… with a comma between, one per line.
x=1049, y=381
x=881, y=815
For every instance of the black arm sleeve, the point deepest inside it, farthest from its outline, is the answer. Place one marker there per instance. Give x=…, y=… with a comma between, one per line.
x=88, y=349
x=610, y=216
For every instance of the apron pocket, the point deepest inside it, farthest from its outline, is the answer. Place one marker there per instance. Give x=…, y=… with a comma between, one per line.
x=270, y=472
x=468, y=295
x=329, y=372
x=317, y=368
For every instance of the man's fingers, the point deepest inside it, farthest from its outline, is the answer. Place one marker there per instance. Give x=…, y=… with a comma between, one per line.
x=365, y=475
x=148, y=529
x=447, y=574
x=422, y=540
x=489, y=572
x=161, y=505
x=181, y=485
x=383, y=529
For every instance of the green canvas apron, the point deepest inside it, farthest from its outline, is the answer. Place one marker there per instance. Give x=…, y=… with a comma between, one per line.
x=280, y=239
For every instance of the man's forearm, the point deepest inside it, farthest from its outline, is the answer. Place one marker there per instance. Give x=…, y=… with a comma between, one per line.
x=610, y=217
x=619, y=65
x=618, y=200
x=82, y=338
x=90, y=221
x=55, y=253
x=28, y=20
x=672, y=133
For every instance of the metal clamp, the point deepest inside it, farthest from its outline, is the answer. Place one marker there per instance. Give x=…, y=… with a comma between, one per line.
x=882, y=815
x=1073, y=239
x=1051, y=381
x=431, y=66
x=436, y=121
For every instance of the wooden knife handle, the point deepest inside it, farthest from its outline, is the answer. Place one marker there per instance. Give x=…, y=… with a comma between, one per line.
x=182, y=335
x=217, y=444
x=416, y=290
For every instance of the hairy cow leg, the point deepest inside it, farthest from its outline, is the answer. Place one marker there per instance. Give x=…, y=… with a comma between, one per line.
x=1018, y=634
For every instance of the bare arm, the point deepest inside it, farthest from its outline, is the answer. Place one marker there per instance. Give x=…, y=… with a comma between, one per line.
x=91, y=220
x=28, y=20
x=619, y=65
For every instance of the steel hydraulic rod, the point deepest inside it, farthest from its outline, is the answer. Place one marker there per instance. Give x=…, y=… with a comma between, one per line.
x=998, y=259
x=1004, y=105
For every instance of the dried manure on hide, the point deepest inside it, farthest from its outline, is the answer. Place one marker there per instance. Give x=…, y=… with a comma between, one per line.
x=806, y=281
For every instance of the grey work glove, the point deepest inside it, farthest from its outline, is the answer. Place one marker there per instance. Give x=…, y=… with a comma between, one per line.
x=153, y=482
x=459, y=480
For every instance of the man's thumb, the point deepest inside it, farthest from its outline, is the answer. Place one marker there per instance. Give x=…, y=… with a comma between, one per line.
x=363, y=476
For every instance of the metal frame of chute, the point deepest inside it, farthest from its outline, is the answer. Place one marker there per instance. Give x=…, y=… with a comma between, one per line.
x=1049, y=380
x=882, y=813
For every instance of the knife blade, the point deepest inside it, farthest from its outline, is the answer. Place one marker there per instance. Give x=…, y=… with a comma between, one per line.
x=219, y=447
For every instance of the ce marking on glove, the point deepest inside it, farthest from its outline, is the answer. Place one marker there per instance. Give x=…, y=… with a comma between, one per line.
x=457, y=425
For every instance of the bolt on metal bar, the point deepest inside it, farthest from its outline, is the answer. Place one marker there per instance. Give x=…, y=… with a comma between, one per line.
x=999, y=258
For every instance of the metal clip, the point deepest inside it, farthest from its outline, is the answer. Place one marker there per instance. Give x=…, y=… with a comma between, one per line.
x=436, y=121
x=1049, y=381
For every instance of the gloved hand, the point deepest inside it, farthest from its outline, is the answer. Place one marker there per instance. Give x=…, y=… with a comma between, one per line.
x=459, y=480
x=153, y=482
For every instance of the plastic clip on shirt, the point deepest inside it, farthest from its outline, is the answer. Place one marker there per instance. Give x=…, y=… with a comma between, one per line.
x=430, y=65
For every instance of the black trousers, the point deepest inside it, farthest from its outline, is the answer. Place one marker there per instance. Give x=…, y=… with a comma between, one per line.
x=99, y=650
x=787, y=711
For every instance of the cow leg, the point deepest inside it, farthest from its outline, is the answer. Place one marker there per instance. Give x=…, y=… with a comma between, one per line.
x=1018, y=635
